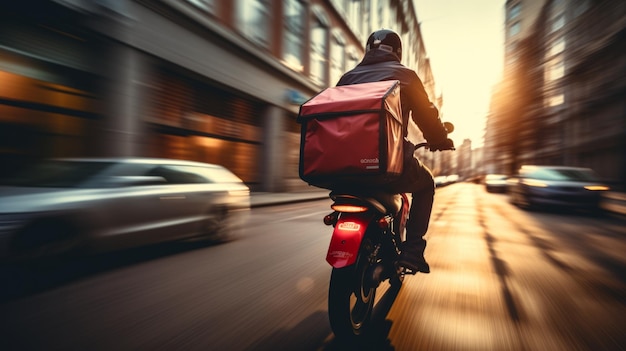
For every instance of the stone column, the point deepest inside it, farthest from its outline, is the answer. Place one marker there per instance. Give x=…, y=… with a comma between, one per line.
x=121, y=82
x=122, y=122
x=273, y=179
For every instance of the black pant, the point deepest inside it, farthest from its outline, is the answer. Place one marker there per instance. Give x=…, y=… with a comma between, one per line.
x=417, y=180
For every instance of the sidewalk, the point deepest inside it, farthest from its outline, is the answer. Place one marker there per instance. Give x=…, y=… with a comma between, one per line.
x=259, y=199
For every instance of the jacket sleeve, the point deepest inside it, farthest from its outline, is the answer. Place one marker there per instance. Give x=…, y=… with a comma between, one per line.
x=425, y=114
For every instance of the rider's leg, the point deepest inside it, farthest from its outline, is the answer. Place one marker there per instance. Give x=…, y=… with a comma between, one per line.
x=423, y=192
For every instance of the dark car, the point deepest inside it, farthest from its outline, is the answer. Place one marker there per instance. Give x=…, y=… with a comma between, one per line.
x=557, y=186
x=102, y=204
x=496, y=183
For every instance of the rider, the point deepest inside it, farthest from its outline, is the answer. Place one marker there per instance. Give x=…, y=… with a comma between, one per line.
x=383, y=53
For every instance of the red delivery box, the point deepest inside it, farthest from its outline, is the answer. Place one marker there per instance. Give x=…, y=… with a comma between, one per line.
x=352, y=135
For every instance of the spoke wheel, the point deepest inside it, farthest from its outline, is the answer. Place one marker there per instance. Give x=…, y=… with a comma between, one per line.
x=216, y=226
x=523, y=202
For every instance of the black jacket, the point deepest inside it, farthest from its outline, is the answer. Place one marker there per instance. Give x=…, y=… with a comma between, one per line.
x=379, y=65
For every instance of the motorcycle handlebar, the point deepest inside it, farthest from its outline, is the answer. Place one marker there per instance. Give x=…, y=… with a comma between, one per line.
x=449, y=128
x=421, y=145
x=424, y=144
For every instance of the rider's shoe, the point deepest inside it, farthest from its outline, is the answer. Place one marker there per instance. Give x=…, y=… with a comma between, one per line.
x=414, y=261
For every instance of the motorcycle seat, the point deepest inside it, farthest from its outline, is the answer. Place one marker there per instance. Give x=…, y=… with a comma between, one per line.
x=383, y=202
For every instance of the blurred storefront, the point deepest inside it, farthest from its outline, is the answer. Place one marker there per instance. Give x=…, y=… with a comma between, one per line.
x=68, y=91
x=47, y=97
x=197, y=80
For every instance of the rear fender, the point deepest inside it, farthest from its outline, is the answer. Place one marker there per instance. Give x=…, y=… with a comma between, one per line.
x=346, y=240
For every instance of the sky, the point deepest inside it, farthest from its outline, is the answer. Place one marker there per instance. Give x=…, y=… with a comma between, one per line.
x=464, y=40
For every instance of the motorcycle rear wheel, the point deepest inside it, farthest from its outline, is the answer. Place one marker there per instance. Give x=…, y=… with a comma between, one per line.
x=350, y=299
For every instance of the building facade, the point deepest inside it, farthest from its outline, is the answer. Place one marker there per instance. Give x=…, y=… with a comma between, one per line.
x=562, y=97
x=205, y=80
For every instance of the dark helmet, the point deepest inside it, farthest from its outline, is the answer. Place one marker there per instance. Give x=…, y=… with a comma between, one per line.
x=387, y=40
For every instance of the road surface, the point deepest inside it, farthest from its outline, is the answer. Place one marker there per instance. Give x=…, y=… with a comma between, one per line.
x=502, y=279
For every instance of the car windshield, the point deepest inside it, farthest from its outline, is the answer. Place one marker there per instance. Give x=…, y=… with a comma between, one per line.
x=56, y=174
x=579, y=175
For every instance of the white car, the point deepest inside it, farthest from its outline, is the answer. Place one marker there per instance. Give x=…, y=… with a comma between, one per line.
x=440, y=181
x=86, y=205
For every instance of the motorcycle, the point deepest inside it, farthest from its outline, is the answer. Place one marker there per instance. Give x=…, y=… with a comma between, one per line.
x=363, y=252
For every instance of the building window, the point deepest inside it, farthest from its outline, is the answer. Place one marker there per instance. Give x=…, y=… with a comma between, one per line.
x=253, y=18
x=555, y=69
x=581, y=7
x=555, y=99
x=293, y=45
x=355, y=16
x=352, y=58
x=515, y=29
x=558, y=22
x=514, y=11
x=365, y=19
x=557, y=47
x=319, y=51
x=206, y=5
x=337, y=58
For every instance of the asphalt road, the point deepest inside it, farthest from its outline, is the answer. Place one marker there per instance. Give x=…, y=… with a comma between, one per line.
x=502, y=279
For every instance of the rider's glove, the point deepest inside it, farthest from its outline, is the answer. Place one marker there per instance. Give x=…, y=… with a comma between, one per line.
x=446, y=145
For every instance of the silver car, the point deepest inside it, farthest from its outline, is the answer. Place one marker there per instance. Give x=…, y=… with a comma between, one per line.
x=88, y=205
x=557, y=186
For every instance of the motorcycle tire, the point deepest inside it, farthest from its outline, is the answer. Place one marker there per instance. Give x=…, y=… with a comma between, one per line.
x=350, y=300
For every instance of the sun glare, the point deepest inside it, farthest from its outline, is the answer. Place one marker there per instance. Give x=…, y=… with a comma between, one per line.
x=464, y=40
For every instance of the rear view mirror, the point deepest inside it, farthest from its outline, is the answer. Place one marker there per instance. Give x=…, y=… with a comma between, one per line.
x=449, y=127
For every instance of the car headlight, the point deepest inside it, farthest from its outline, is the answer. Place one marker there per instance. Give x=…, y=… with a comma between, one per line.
x=535, y=183
x=597, y=187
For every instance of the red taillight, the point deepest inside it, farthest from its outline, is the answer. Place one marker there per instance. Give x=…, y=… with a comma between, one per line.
x=348, y=208
x=383, y=223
